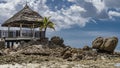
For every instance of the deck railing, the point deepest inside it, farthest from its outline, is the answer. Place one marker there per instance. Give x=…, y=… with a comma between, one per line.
x=25, y=33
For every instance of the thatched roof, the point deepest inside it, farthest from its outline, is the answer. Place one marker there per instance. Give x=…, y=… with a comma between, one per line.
x=26, y=16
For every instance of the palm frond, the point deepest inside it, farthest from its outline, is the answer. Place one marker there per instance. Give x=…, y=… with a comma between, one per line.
x=46, y=24
x=51, y=25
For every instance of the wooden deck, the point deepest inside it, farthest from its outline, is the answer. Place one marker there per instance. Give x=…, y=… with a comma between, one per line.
x=21, y=38
x=25, y=34
x=13, y=37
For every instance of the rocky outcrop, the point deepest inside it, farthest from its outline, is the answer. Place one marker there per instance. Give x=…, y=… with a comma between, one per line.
x=97, y=42
x=35, y=50
x=36, y=53
x=24, y=44
x=56, y=42
x=75, y=54
x=105, y=44
x=110, y=44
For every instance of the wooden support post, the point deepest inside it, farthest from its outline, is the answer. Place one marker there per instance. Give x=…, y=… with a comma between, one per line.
x=40, y=33
x=33, y=31
x=8, y=30
x=8, y=44
x=20, y=30
x=12, y=44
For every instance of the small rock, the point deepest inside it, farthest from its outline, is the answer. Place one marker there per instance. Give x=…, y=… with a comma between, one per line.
x=7, y=51
x=67, y=55
x=86, y=48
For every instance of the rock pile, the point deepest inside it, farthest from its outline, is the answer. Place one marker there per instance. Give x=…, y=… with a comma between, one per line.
x=35, y=50
x=105, y=44
x=77, y=54
x=32, y=51
x=30, y=43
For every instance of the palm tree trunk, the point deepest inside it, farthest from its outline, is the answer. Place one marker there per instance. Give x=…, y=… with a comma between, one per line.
x=45, y=32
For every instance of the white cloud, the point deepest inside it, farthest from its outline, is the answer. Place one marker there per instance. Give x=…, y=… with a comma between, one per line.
x=66, y=18
x=71, y=0
x=112, y=3
x=80, y=13
x=77, y=8
x=8, y=9
x=99, y=4
x=114, y=13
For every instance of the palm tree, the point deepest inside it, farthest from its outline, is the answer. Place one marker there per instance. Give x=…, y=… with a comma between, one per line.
x=46, y=24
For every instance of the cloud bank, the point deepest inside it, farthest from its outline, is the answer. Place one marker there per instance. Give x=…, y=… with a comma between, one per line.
x=65, y=13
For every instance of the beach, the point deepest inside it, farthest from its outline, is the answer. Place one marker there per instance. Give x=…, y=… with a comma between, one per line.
x=114, y=63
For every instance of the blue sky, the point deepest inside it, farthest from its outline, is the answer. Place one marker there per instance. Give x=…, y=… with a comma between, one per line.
x=78, y=22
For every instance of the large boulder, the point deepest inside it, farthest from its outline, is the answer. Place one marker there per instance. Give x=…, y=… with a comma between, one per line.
x=110, y=44
x=97, y=42
x=56, y=42
x=105, y=44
